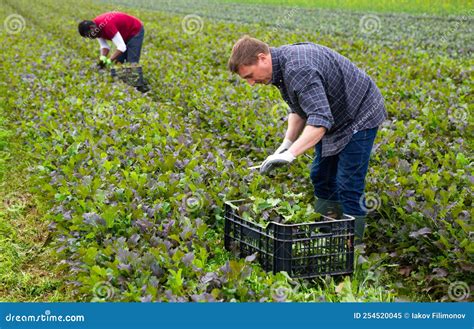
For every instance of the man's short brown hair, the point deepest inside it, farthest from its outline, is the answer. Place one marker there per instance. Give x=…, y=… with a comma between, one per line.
x=245, y=52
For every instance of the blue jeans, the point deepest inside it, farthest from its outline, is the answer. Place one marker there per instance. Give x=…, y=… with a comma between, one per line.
x=134, y=48
x=341, y=177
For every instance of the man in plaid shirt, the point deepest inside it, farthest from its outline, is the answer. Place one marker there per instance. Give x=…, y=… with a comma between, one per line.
x=334, y=106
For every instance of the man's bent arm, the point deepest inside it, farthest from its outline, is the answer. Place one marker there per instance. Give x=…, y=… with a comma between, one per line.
x=104, y=47
x=295, y=126
x=120, y=44
x=115, y=55
x=311, y=136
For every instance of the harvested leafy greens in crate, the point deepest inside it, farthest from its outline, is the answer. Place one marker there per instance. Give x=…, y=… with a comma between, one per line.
x=285, y=241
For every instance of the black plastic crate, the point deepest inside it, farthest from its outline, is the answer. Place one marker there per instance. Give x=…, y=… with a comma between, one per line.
x=302, y=250
x=131, y=75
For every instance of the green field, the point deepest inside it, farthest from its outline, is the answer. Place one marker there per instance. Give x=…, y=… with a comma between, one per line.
x=108, y=194
x=436, y=7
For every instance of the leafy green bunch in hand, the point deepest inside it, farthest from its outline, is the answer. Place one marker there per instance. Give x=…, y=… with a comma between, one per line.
x=104, y=62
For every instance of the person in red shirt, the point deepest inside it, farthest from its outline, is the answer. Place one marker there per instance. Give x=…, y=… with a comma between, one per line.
x=125, y=31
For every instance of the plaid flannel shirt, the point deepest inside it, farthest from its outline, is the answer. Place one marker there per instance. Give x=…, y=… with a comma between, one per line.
x=328, y=90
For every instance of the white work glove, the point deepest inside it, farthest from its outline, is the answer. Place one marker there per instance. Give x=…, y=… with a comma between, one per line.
x=284, y=146
x=276, y=160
